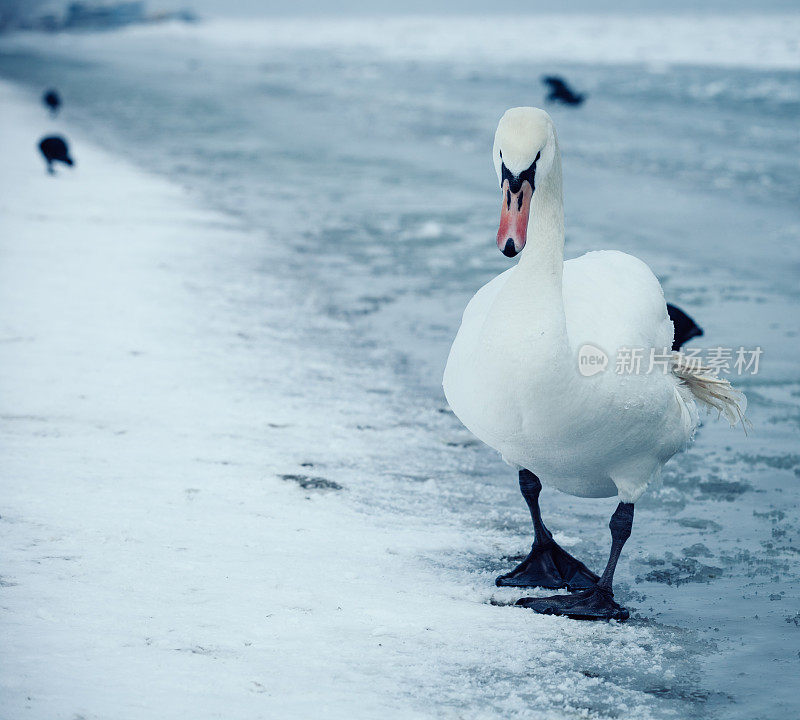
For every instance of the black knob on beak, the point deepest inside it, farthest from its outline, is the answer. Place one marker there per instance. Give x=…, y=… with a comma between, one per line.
x=509, y=250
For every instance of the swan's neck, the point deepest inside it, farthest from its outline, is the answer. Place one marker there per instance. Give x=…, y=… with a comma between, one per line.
x=531, y=326
x=542, y=260
x=536, y=287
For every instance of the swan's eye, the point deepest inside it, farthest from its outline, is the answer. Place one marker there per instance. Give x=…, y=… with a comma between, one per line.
x=501, y=154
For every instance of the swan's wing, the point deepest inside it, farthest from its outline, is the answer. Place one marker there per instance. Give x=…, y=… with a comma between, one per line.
x=612, y=300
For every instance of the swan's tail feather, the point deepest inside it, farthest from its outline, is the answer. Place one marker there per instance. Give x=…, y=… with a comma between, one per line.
x=712, y=391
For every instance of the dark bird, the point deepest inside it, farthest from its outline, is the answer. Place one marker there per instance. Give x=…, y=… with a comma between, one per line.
x=54, y=148
x=52, y=99
x=685, y=327
x=561, y=92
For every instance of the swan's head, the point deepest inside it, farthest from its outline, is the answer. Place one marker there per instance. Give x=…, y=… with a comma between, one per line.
x=524, y=148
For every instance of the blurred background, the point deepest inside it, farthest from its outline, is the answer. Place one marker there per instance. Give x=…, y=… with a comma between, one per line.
x=331, y=207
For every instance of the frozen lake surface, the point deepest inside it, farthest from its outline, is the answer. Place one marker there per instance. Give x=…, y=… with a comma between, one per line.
x=230, y=483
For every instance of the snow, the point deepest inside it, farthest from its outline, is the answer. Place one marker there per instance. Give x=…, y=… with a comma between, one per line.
x=156, y=562
x=230, y=486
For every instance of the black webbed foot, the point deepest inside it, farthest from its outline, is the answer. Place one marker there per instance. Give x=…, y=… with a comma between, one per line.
x=549, y=566
x=596, y=603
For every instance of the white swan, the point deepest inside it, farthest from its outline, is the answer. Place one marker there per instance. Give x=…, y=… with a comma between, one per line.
x=513, y=376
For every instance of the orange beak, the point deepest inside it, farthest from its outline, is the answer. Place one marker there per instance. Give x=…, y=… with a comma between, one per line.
x=514, y=212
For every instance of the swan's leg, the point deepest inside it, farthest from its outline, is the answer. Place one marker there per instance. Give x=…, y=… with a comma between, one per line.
x=596, y=603
x=548, y=565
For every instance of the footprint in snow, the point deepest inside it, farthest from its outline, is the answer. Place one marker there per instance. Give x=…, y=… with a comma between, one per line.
x=310, y=482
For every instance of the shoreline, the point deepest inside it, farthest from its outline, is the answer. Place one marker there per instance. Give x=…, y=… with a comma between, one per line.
x=187, y=395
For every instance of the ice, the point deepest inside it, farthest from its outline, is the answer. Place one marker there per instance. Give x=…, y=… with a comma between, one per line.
x=230, y=484
x=745, y=39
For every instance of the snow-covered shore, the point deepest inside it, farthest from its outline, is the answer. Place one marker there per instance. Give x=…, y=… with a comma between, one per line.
x=156, y=563
x=230, y=486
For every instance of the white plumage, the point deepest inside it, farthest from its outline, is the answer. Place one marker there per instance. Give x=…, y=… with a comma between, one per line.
x=513, y=377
